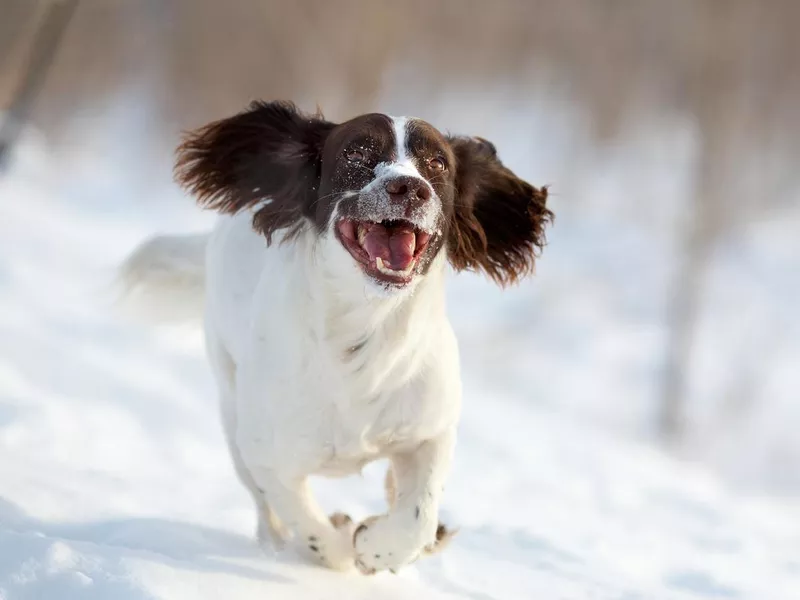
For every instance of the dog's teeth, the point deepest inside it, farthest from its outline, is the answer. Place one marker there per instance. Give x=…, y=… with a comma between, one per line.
x=362, y=234
x=387, y=271
x=383, y=268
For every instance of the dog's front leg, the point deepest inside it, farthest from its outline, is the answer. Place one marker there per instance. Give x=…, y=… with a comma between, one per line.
x=393, y=540
x=315, y=535
x=279, y=445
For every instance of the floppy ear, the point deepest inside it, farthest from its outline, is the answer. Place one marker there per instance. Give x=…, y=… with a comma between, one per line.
x=269, y=152
x=499, y=220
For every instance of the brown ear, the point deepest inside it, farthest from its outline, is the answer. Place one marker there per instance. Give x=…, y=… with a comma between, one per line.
x=270, y=152
x=499, y=220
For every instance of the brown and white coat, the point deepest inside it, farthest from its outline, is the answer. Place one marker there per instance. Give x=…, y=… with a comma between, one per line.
x=325, y=321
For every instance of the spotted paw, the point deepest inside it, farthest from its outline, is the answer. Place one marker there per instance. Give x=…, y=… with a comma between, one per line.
x=387, y=543
x=331, y=549
x=364, y=568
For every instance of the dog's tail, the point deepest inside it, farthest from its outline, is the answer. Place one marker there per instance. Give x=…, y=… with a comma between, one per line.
x=164, y=278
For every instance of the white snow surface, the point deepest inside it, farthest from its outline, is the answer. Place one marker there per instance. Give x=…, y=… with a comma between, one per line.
x=115, y=481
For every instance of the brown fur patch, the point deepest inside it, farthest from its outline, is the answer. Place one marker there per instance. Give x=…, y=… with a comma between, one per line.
x=271, y=150
x=499, y=219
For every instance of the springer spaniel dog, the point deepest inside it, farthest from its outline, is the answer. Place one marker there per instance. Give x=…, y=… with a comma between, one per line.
x=322, y=286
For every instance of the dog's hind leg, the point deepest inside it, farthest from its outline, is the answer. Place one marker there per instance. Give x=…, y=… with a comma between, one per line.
x=270, y=528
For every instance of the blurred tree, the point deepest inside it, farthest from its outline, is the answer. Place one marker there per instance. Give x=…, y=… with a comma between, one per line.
x=731, y=67
x=43, y=48
x=17, y=17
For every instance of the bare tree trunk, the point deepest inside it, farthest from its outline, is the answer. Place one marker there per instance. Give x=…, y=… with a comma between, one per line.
x=17, y=17
x=715, y=92
x=43, y=51
x=685, y=303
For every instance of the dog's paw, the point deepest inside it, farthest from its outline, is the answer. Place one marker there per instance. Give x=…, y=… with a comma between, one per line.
x=386, y=543
x=380, y=546
x=363, y=546
x=332, y=549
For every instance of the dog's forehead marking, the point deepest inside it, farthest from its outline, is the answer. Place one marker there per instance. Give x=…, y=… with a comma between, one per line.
x=400, y=133
x=403, y=164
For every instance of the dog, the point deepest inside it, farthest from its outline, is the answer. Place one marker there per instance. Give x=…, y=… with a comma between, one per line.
x=323, y=293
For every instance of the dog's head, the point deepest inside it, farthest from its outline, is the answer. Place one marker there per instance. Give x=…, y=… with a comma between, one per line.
x=387, y=194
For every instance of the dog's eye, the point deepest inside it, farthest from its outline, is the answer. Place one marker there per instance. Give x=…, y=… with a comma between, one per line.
x=356, y=156
x=437, y=164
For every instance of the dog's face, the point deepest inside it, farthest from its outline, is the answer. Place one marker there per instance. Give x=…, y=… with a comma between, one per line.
x=385, y=194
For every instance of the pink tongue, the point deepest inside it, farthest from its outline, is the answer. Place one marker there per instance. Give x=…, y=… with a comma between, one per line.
x=395, y=246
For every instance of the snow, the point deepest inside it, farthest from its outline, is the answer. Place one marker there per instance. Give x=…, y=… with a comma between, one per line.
x=115, y=482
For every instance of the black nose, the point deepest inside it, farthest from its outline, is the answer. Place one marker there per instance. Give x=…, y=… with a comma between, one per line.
x=412, y=191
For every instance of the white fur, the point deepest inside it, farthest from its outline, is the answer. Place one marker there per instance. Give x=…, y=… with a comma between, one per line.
x=321, y=372
x=165, y=277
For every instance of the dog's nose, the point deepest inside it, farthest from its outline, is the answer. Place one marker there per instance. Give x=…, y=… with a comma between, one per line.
x=412, y=191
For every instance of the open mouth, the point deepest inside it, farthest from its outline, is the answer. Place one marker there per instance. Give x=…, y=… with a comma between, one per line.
x=388, y=250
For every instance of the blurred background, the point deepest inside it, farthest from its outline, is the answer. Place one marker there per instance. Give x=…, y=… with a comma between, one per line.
x=665, y=307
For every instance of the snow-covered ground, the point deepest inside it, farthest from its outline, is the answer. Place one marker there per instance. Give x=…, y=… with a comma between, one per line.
x=114, y=479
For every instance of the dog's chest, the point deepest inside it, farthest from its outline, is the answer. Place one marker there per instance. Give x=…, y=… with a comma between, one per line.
x=369, y=417
x=390, y=423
